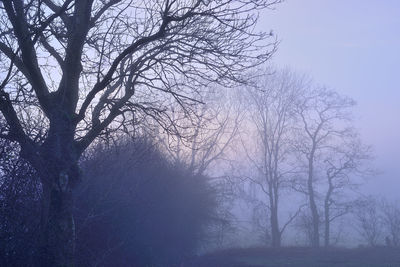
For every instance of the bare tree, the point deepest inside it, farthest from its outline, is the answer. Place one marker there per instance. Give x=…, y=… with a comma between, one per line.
x=391, y=222
x=378, y=220
x=272, y=114
x=346, y=160
x=323, y=116
x=304, y=225
x=208, y=137
x=369, y=221
x=203, y=145
x=90, y=67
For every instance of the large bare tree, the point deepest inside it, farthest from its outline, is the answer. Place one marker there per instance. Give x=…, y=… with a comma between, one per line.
x=85, y=68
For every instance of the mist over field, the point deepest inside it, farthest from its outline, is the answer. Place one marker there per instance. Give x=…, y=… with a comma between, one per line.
x=199, y=133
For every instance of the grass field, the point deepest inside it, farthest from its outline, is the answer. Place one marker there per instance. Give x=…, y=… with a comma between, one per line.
x=300, y=257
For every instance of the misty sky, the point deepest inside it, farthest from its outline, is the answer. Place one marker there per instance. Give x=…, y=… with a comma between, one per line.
x=352, y=46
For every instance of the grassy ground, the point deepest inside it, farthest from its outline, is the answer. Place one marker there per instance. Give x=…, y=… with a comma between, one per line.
x=300, y=257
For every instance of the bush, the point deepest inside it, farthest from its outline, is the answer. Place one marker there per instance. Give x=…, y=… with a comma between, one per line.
x=20, y=193
x=134, y=208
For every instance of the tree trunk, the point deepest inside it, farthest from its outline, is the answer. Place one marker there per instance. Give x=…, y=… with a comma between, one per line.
x=327, y=225
x=315, y=222
x=58, y=229
x=327, y=213
x=58, y=169
x=313, y=205
x=275, y=232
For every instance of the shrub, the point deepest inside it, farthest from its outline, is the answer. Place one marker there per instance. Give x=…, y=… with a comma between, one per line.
x=134, y=208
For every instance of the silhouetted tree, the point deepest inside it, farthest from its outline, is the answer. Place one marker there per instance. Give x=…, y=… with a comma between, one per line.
x=85, y=68
x=209, y=136
x=271, y=112
x=346, y=159
x=324, y=115
x=369, y=221
x=391, y=221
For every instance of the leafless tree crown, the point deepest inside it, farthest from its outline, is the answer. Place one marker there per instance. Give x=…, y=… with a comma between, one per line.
x=92, y=63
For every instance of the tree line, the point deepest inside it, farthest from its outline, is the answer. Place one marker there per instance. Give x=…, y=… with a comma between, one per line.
x=302, y=141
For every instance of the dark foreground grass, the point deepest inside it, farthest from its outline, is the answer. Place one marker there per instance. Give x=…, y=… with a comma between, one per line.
x=300, y=257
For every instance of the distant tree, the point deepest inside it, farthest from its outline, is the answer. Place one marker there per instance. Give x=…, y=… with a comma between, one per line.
x=323, y=115
x=204, y=145
x=346, y=159
x=304, y=225
x=369, y=221
x=89, y=67
x=271, y=113
x=209, y=136
x=391, y=221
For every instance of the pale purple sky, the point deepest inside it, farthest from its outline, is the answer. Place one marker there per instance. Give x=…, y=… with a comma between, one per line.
x=352, y=46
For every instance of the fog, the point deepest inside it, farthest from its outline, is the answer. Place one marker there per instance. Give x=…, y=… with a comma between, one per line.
x=200, y=133
x=350, y=46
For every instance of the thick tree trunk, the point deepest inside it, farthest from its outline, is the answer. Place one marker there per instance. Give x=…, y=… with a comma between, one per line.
x=58, y=229
x=59, y=172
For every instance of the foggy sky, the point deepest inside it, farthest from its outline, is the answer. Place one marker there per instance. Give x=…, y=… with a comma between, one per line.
x=352, y=46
